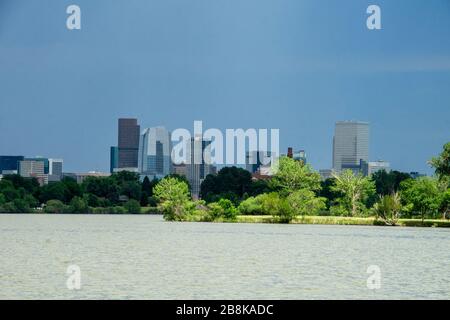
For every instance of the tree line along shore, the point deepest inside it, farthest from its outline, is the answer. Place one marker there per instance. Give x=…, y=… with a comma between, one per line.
x=294, y=194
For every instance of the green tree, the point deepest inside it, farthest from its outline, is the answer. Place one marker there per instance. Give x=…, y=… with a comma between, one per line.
x=445, y=204
x=176, y=176
x=387, y=183
x=53, y=191
x=229, y=180
x=147, y=186
x=304, y=202
x=132, y=206
x=389, y=208
x=277, y=206
x=422, y=196
x=229, y=210
x=125, y=176
x=251, y=206
x=8, y=207
x=78, y=205
x=441, y=164
x=102, y=187
x=354, y=190
x=146, y=191
x=31, y=185
x=71, y=189
x=31, y=201
x=131, y=189
x=224, y=208
x=9, y=191
x=173, y=196
x=55, y=206
x=21, y=206
x=258, y=187
x=293, y=175
x=327, y=192
x=2, y=199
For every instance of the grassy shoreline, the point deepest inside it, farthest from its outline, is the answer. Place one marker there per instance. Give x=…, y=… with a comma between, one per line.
x=334, y=220
x=318, y=220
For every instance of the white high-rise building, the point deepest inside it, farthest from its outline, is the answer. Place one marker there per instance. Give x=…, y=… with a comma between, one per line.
x=351, y=145
x=155, y=149
x=198, y=166
x=379, y=165
x=33, y=169
x=55, y=169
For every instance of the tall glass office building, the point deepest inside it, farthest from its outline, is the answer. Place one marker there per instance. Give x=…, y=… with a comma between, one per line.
x=155, y=149
x=128, y=143
x=198, y=166
x=113, y=158
x=351, y=146
x=10, y=163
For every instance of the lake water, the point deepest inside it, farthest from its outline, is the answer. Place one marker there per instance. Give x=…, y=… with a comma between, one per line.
x=143, y=257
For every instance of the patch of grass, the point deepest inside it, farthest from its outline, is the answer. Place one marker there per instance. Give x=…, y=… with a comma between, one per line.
x=426, y=223
x=149, y=210
x=333, y=220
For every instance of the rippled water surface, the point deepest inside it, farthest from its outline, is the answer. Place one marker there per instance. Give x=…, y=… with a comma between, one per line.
x=143, y=257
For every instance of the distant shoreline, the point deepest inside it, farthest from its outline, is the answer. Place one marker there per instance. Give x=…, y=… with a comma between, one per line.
x=356, y=221
x=267, y=219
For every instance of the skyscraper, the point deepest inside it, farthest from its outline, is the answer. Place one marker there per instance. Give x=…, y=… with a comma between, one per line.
x=155, y=152
x=113, y=159
x=29, y=168
x=45, y=161
x=55, y=169
x=375, y=166
x=128, y=143
x=198, y=167
x=254, y=160
x=351, y=146
x=10, y=163
x=299, y=155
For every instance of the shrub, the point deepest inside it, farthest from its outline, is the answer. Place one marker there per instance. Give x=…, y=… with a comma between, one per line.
x=31, y=201
x=21, y=206
x=132, y=206
x=118, y=210
x=304, y=202
x=8, y=207
x=55, y=206
x=251, y=206
x=78, y=205
x=275, y=205
x=150, y=210
x=224, y=208
x=99, y=210
x=388, y=209
x=2, y=199
x=215, y=211
x=229, y=210
x=173, y=197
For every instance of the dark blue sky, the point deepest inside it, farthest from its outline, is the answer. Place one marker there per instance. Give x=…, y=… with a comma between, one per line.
x=295, y=65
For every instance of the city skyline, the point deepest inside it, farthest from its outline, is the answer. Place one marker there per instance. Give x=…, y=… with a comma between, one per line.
x=175, y=64
x=153, y=157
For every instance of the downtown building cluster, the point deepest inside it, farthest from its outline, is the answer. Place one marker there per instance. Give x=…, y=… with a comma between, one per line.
x=45, y=170
x=351, y=150
x=148, y=152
